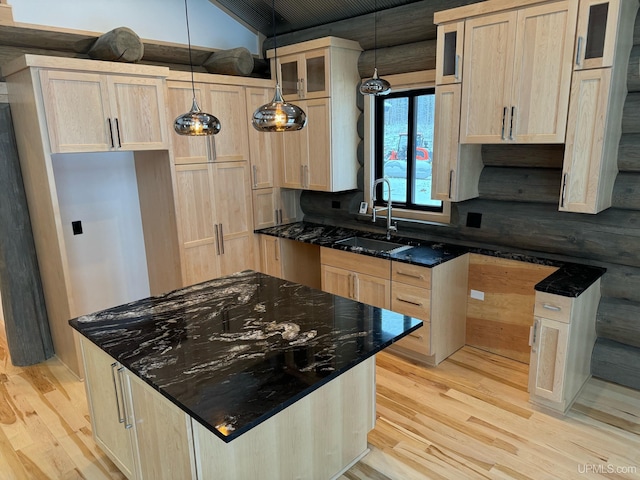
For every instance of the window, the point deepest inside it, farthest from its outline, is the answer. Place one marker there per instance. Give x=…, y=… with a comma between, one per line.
x=404, y=123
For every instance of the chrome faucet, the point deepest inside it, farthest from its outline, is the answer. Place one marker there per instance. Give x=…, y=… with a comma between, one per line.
x=390, y=227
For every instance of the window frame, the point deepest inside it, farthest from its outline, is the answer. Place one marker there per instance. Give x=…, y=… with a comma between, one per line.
x=378, y=161
x=402, y=82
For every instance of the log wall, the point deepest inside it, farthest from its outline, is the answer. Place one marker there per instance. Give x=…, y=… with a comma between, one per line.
x=519, y=192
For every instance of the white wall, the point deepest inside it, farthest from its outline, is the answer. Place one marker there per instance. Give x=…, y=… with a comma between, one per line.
x=151, y=19
x=107, y=263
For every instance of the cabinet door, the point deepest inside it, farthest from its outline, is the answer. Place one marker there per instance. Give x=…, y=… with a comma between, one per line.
x=596, y=33
x=186, y=149
x=139, y=112
x=373, y=290
x=270, y=255
x=197, y=223
x=314, y=80
x=449, y=53
x=76, y=107
x=290, y=76
x=542, y=73
x=583, y=156
x=548, y=359
x=265, y=149
x=228, y=104
x=338, y=281
x=316, y=169
x=289, y=210
x=265, y=209
x=234, y=215
x=294, y=155
x=488, y=76
x=445, y=142
x=106, y=396
x=163, y=434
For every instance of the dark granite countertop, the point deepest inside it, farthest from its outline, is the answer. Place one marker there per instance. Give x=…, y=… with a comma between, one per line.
x=570, y=280
x=234, y=351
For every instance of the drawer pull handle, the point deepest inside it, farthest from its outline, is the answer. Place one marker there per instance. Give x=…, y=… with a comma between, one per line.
x=554, y=308
x=411, y=302
x=419, y=337
x=411, y=275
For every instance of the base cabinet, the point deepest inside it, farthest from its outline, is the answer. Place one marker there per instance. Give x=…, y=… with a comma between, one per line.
x=562, y=338
x=145, y=435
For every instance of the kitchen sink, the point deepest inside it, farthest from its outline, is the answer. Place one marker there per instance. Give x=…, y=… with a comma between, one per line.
x=372, y=244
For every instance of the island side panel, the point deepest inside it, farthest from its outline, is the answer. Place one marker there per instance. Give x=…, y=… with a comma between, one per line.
x=318, y=436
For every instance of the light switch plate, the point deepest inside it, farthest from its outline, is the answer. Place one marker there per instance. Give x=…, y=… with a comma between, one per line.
x=363, y=207
x=477, y=294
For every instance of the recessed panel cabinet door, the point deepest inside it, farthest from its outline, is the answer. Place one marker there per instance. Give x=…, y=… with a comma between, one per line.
x=317, y=174
x=234, y=214
x=265, y=148
x=548, y=359
x=488, y=75
x=542, y=73
x=445, y=142
x=197, y=223
x=186, y=149
x=338, y=281
x=228, y=104
x=76, y=107
x=373, y=290
x=138, y=107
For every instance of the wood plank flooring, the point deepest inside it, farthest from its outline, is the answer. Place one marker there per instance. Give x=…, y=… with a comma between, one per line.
x=467, y=418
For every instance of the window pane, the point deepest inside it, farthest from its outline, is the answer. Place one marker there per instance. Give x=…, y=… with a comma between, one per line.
x=394, y=155
x=424, y=149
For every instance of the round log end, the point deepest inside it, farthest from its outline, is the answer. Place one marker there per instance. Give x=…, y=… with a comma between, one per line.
x=118, y=45
x=236, y=61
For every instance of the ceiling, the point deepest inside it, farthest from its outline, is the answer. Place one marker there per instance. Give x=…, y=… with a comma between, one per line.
x=295, y=15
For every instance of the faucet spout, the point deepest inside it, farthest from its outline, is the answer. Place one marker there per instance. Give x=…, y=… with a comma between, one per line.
x=390, y=227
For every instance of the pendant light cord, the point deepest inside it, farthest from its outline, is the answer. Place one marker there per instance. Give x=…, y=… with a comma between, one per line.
x=275, y=39
x=186, y=14
x=375, y=34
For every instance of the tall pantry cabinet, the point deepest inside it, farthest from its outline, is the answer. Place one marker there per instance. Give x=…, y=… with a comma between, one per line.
x=62, y=105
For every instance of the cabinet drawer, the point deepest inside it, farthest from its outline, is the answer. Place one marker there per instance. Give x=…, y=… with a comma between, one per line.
x=554, y=307
x=411, y=300
x=411, y=274
x=355, y=262
x=418, y=341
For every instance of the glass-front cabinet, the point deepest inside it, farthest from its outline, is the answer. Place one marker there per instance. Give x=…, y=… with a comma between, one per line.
x=305, y=75
x=596, y=34
x=450, y=48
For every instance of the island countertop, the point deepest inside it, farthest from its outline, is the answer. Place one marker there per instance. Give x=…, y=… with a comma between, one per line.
x=234, y=351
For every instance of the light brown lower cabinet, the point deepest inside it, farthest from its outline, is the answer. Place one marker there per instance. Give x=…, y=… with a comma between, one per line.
x=355, y=276
x=150, y=438
x=562, y=339
x=144, y=434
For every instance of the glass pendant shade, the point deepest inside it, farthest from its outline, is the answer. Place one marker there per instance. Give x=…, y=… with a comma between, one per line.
x=196, y=122
x=278, y=116
x=375, y=85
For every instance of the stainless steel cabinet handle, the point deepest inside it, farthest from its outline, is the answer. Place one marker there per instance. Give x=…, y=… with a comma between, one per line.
x=513, y=115
x=217, y=233
x=504, y=119
x=456, y=73
x=411, y=302
x=127, y=425
x=411, y=275
x=118, y=133
x=255, y=175
x=579, y=51
x=564, y=189
x=280, y=212
x=213, y=147
x=414, y=335
x=302, y=176
x=207, y=143
x=275, y=216
x=113, y=145
x=450, y=183
x=277, y=250
x=221, y=240
x=553, y=308
x=534, y=335
x=356, y=287
x=302, y=91
x=121, y=419
x=306, y=176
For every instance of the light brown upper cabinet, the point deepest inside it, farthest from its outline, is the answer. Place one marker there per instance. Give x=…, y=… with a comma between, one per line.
x=265, y=148
x=596, y=34
x=228, y=104
x=450, y=44
x=323, y=155
x=517, y=71
x=96, y=112
x=305, y=75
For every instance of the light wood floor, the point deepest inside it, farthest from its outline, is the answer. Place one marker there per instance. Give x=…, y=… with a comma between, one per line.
x=468, y=418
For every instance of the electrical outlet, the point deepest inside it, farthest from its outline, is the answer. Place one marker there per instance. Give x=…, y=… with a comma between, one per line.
x=478, y=295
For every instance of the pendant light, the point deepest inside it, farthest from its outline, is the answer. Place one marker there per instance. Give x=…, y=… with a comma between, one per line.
x=374, y=85
x=278, y=116
x=195, y=122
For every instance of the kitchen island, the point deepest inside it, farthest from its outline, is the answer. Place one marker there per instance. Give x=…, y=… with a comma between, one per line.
x=259, y=377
